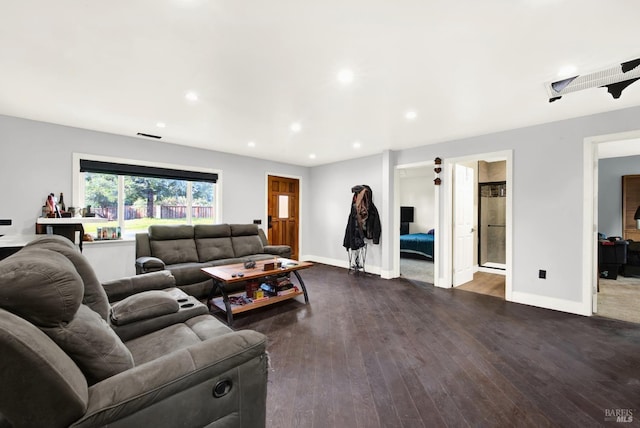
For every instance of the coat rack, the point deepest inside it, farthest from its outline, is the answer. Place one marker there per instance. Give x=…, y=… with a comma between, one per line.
x=363, y=224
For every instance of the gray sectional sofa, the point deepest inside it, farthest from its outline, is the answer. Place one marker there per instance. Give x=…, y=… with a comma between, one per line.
x=184, y=250
x=64, y=362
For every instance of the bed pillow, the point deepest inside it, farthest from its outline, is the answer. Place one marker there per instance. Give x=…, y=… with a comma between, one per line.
x=431, y=232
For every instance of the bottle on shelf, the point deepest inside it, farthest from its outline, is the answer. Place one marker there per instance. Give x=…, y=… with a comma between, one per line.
x=61, y=204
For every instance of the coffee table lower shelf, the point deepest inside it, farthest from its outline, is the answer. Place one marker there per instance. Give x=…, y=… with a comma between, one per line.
x=237, y=309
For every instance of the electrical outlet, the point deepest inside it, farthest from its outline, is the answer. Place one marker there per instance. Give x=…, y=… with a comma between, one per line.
x=542, y=274
x=259, y=221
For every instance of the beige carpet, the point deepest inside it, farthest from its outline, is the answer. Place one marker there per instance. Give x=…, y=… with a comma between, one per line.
x=620, y=299
x=417, y=269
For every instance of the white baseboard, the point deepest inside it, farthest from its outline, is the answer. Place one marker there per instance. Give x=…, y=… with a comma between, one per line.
x=342, y=264
x=562, y=305
x=491, y=270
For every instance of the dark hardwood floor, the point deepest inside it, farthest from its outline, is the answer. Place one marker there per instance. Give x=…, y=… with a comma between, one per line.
x=368, y=352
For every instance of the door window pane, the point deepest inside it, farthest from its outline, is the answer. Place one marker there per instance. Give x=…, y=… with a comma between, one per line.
x=283, y=206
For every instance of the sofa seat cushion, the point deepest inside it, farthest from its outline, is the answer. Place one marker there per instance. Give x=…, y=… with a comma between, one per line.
x=214, y=248
x=92, y=344
x=141, y=306
x=222, y=262
x=175, y=251
x=188, y=273
x=175, y=337
x=207, y=327
x=258, y=257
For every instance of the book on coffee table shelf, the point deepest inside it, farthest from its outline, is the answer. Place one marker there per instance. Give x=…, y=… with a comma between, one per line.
x=287, y=291
x=240, y=302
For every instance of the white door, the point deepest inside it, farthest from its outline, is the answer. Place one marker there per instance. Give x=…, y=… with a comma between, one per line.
x=463, y=188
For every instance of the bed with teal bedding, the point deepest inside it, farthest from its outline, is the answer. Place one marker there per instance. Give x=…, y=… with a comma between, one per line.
x=417, y=243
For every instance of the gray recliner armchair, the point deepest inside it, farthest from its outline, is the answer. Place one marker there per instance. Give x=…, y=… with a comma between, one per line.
x=64, y=365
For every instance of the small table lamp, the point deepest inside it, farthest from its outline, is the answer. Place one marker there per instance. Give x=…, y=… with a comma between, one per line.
x=636, y=217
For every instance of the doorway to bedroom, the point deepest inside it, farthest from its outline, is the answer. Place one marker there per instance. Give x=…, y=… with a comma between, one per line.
x=417, y=223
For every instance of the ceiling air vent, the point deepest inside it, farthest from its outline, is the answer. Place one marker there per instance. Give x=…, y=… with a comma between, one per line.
x=615, y=79
x=142, y=134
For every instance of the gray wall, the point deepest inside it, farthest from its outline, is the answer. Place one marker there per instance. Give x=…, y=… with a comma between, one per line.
x=547, y=186
x=610, y=172
x=36, y=159
x=548, y=195
x=331, y=203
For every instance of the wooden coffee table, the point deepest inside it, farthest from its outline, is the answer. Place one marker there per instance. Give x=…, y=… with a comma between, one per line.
x=225, y=275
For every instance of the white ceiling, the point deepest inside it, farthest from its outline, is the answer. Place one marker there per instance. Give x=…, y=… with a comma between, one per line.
x=466, y=67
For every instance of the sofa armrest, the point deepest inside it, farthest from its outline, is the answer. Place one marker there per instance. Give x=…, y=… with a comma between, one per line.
x=148, y=264
x=278, y=250
x=118, y=289
x=142, y=306
x=176, y=390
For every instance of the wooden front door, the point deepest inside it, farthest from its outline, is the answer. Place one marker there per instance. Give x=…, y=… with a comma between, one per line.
x=284, y=195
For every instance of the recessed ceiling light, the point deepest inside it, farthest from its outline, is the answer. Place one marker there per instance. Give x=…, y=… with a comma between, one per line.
x=251, y=144
x=191, y=96
x=345, y=76
x=356, y=144
x=567, y=71
x=312, y=156
x=410, y=115
x=296, y=127
x=161, y=124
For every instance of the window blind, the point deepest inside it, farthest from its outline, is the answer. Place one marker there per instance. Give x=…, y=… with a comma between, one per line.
x=145, y=171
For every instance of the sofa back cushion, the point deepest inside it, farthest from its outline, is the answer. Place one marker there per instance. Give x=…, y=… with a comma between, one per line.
x=41, y=286
x=213, y=242
x=94, y=295
x=173, y=244
x=92, y=345
x=245, y=240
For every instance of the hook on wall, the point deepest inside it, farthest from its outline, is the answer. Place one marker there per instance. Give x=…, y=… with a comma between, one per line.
x=437, y=170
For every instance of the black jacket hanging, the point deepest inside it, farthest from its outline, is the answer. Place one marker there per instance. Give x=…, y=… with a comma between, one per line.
x=363, y=221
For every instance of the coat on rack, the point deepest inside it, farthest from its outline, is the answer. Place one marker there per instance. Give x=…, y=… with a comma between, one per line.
x=364, y=220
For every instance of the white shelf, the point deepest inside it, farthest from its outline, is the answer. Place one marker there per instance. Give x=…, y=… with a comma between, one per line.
x=70, y=220
x=15, y=241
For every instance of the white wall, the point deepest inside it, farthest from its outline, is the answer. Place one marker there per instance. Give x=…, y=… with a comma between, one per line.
x=330, y=205
x=547, y=202
x=418, y=192
x=36, y=159
x=610, y=172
